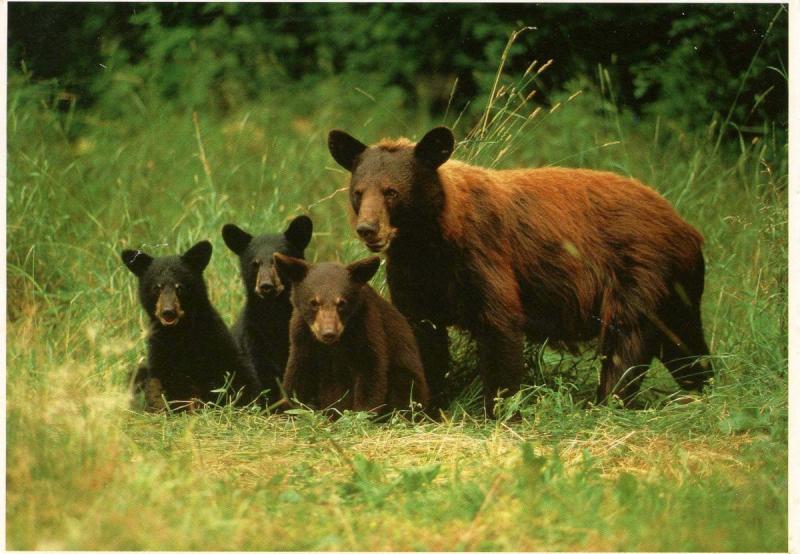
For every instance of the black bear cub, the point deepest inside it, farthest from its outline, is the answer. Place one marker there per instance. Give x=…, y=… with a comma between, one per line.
x=190, y=349
x=350, y=349
x=262, y=330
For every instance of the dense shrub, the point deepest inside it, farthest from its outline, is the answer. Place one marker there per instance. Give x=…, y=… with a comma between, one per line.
x=685, y=62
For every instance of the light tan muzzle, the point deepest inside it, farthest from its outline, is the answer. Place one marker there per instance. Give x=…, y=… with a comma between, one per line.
x=372, y=223
x=268, y=283
x=327, y=327
x=168, y=307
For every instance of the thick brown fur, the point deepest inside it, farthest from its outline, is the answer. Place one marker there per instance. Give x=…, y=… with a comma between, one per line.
x=349, y=348
x=552, y=253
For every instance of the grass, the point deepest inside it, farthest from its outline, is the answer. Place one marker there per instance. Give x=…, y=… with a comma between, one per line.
x=84, y=471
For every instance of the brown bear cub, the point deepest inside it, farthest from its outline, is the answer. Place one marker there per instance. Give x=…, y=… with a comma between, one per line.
x=191, y=354
x=552, y=253
x=349, y=348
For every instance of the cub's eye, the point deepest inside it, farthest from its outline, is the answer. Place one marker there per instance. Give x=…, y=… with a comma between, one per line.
x=255, y=263
x=178, y=287
x=157, y=287
x=357, y=194
x=391, y=194
x=314, y=303
x=341, y=303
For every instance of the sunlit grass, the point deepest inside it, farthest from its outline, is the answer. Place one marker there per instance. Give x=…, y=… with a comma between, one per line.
x=552, y=472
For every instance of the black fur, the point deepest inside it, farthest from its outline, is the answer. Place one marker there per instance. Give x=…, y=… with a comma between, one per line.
x=344, y=148
x=262, y=330
x=189, y=356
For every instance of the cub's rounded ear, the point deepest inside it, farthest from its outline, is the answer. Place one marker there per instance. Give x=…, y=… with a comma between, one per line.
x=435, y=147
x=136, y=260
x=235, y=238
x=198, y=256
x=299, y=232
x=344, y=148
x=363, y=270
x=290, y=269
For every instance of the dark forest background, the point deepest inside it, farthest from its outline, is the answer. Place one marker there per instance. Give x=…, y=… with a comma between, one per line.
x=680, y=61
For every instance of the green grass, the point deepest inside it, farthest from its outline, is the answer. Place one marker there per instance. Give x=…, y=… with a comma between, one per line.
x=84, y=472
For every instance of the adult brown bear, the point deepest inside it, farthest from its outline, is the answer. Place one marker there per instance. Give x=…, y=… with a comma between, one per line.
x=552, y=253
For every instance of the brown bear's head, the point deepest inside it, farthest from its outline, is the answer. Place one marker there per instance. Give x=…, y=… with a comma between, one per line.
x=394, y=184
x=326, y=295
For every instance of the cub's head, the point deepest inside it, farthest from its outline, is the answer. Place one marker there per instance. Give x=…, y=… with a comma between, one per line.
x=171, y=288
x=326, y=295
x=392, y=182
x=261, y=280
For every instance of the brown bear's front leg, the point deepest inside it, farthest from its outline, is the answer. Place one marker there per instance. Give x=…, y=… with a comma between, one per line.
x=371, y=389
x=626, y=357
x=335, y=394
x=434, y=351
x=500, y=358
x=300, y=379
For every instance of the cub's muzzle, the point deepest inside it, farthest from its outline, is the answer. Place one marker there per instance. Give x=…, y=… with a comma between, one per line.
x=327, y=327
x=168, y=307
x=268, y=283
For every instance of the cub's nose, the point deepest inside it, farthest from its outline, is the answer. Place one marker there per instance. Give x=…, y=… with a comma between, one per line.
x=329, y=336
x=366, y=231
x=169, y=314
x=265, y=288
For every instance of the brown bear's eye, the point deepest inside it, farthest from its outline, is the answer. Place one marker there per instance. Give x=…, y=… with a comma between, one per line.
x=341, y=303
x=255, y=263
x=391, y=194
x=314, y=303
x=157, y=287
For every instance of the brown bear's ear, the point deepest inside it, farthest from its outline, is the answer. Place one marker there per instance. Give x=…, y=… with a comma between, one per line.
x=290, y=269
x=236, y=238
x=363, y=270
x=198, y=256
x=435, y=147
x=299, y=232
x=137, y=261
x=344, y=148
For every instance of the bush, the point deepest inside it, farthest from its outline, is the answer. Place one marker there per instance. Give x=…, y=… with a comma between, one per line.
x=685, y=62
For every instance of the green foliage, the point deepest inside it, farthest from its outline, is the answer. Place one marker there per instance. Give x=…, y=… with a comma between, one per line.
x=710, y=65
x=552, y=472
x=685, y=62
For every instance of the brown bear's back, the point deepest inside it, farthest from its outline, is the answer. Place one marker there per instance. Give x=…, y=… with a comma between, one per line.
x=569, y=234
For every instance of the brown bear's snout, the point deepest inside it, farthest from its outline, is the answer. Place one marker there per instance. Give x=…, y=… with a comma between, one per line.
x=375, y=233
x=367, y=231
x=327, y=326
x=372, y=223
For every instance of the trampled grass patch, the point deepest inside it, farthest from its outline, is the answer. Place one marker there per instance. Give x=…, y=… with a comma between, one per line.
x=552, y=472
